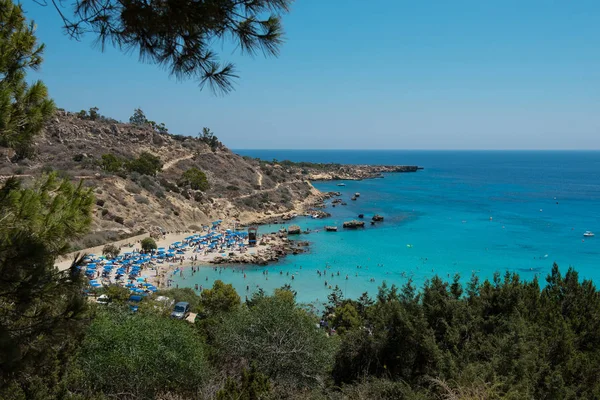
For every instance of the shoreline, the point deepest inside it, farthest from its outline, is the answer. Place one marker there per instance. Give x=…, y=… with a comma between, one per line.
x=270, y=248
x=264, y=253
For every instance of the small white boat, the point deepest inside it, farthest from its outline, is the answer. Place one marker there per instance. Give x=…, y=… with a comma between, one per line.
x=341, y=184
x=588, y=234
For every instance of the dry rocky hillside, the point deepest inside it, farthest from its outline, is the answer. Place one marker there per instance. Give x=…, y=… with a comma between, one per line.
x=129, y=202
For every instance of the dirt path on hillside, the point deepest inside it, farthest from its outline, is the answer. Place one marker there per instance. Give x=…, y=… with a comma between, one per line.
x=257, y=191
x=171, y=163
x=260, y=178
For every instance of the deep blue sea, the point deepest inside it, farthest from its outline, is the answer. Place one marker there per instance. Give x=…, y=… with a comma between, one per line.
x=466, y=212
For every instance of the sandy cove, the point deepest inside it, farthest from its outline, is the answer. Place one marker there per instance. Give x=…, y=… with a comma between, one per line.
x=269, y=248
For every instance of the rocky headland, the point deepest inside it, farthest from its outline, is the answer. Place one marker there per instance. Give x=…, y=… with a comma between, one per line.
x=238, y=189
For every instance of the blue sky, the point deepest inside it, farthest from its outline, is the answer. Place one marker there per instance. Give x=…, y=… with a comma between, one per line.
x=386, y=74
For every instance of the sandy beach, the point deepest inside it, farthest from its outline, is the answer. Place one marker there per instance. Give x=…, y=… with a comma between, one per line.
x=159, y=274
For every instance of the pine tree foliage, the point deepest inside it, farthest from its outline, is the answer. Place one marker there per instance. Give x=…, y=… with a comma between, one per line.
x=180, y=35
x=24, y=108
x=39, y=304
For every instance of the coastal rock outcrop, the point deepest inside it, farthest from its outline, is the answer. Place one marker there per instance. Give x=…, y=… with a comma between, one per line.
x=293, y=230
x=354, y=224
x=377, y=218
x=358, y=172
x=318, y=214
x=279, y=248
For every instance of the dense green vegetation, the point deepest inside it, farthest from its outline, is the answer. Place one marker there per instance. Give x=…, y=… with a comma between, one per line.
x=111, y=163
x=503, y=338
x=195, y=179
x=145, y=164
x=144, y=354
x=40, y=307
x=24, y=107
x=148, y=244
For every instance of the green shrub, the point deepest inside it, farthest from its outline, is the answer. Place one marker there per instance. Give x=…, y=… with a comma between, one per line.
x=78, y=157
x=195, y=179
x=148, y=244
x=100, y=202
x=119, y=220
x=104, y=212
x=268, y=334
x=145, y=164
x=111, y=163
x=142, y=355
x=111, y=251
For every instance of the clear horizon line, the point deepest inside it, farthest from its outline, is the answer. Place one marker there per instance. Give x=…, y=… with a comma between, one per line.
x=341, y=149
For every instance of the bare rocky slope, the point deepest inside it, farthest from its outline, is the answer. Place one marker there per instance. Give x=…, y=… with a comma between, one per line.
x=246, y=189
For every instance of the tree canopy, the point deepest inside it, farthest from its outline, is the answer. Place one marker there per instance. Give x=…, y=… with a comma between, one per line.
x=182, y=35
x=148, y=244
x=221, y=298
x=145, y=164
x=24, y=108
x=39, y=305
x=280, y=339
x=195, y=179
x=142, y=355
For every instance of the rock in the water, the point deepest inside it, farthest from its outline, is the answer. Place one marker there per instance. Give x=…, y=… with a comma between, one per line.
x=354, y=224
x=377, y=218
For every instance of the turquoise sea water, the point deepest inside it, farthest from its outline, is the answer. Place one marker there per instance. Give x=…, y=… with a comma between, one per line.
x=540, y=203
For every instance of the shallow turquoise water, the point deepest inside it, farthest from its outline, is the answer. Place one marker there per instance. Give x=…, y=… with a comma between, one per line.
x=540, y=203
